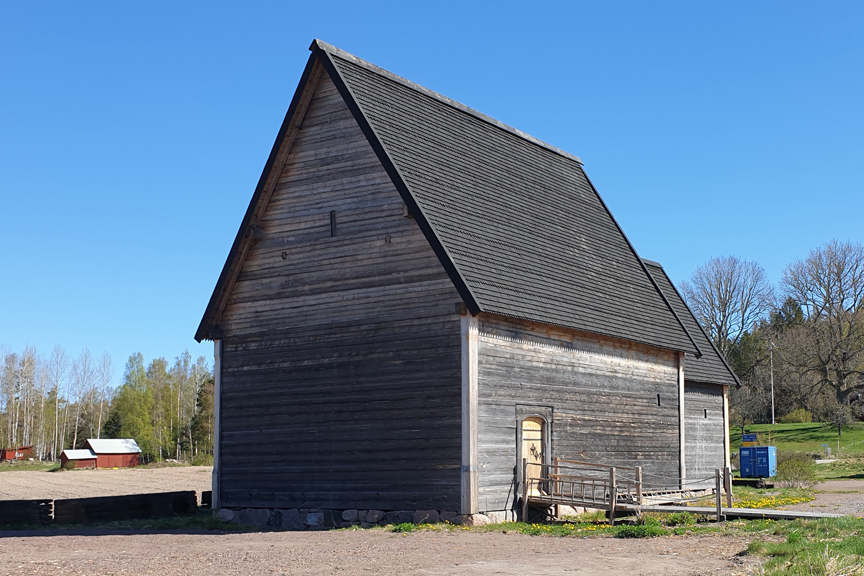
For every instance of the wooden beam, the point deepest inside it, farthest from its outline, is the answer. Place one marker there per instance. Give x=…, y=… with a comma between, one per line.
x=470, y=481
x=217, y=410
x=681, y=441
x=727, y=450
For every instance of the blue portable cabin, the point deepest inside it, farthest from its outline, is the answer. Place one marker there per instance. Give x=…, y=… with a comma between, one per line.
x=758, y=461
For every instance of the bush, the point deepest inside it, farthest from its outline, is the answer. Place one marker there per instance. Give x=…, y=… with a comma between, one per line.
x=69, y=465
x=202, y=460
x=799, y=416
x=795, y=470
x=680, y=519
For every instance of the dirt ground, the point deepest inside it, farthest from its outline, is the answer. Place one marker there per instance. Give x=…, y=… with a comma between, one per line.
x=836, y=497
x=366, y=552
x=30, y=485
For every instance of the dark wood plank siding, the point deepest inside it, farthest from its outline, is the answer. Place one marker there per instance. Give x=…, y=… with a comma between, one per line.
x=703, y=431
x=341, y=354
x=602, y=394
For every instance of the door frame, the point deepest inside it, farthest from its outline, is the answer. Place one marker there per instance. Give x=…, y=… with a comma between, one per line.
x=545, y=413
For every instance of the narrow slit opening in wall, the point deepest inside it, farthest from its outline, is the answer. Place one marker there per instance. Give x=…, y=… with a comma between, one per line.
x=658, y=400
x=332, y=223
x=706, y=412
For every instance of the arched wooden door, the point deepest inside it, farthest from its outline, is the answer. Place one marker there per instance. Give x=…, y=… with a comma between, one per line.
x=534, y=450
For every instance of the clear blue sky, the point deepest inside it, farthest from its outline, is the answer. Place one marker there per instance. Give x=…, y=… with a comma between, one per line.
x=132, y=134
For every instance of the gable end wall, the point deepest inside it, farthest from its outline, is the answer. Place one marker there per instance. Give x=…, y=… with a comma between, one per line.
x=340, y=382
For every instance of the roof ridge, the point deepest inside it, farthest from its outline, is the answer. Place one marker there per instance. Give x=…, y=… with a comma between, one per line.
x=334, y=51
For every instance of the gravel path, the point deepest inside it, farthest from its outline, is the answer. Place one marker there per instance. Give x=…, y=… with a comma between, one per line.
x=367, y=552
x=836, y=497
x=30, y=485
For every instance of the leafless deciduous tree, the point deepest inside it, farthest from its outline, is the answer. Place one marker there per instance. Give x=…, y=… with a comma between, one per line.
x=829, y=287
x=729, y=296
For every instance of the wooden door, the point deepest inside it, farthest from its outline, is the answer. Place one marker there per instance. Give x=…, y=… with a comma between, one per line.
x=533, y=450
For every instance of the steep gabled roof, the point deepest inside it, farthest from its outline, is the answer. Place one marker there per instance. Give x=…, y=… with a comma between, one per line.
x=515, y=222
x=711, y=368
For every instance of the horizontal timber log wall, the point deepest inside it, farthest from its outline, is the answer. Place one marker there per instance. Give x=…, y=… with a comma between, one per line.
x=341, y=354
x=128, y=507
x=704, y=429
x=14, y=512
x=601, y=394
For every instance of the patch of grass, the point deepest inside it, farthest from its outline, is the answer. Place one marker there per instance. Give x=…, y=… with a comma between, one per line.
x=22, y=465
x=772, y=502
x=845, y=469
x=680, y=519
x=805, y=551
x=405, y=527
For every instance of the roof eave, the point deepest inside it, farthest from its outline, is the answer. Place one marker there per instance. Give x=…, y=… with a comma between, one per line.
x=710, y=342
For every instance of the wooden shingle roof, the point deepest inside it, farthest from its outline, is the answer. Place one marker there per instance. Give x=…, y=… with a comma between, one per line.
x=711, y=368
x=516, y=222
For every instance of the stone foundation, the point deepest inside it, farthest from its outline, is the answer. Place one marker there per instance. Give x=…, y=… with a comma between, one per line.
x=319, y=519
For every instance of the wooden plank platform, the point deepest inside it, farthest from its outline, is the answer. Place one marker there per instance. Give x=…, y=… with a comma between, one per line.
x=750, y=513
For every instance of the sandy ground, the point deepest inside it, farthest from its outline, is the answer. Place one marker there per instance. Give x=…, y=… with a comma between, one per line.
x=836, y=497
x=30, y=485
x=367, y=552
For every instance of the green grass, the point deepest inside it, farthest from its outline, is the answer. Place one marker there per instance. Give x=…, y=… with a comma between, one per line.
x=20, y=465
x=845, y=469
x=829, y=546
x=807, y=437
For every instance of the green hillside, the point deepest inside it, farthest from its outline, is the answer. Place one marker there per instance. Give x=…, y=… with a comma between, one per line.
x=805, y=437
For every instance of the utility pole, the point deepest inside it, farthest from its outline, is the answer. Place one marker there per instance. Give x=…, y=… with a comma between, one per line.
x=771, y=361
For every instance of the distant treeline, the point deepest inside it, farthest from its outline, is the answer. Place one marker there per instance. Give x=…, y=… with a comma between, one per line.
x=57, y=402
x=807, y=333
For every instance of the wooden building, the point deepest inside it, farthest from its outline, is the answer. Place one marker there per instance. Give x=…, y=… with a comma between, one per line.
x=115, y=453
x=417, y=290
x=104, y=453
x=20, y=453
x=81, y=458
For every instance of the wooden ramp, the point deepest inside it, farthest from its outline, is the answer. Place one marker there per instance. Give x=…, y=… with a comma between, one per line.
x=621, y=490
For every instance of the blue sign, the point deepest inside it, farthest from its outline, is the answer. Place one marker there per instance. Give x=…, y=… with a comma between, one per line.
x=748, y=438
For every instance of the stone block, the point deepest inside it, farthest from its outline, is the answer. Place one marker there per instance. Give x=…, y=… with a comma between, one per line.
x=350, y=515
x=361, y=515
x=398, y=517
x=474, y=520
x=254, y=516
x=425, y=517
x=502, y=516
x=275, y=520
x=330, y=518
x=448, y=516
x=374, y=516
x=225, y=515
x=291, y=520
x=314, y=519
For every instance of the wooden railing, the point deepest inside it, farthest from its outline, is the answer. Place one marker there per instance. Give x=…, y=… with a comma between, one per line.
x=589, y=485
